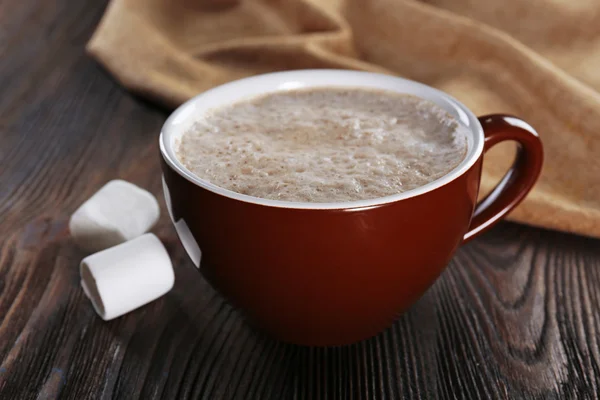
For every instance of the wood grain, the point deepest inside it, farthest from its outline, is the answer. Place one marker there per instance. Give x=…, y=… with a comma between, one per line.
x=515, y=316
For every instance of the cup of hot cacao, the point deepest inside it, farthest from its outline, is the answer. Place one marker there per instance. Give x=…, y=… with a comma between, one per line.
x=324, y=203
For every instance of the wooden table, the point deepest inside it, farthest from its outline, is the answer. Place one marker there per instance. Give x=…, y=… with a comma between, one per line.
x=516, y=314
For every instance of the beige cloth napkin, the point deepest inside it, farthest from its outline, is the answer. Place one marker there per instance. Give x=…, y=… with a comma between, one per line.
x=537, y=59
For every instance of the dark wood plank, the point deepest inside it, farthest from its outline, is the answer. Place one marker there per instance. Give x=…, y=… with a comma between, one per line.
x=516, y=315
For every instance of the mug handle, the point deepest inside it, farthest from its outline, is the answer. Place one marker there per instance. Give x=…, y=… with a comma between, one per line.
x=519, y=179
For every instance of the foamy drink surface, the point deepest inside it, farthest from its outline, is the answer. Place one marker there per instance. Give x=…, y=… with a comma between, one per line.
x=324, y=145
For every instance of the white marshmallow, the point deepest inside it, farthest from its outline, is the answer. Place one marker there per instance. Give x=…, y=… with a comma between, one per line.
x=118, y=212
x=120, y=279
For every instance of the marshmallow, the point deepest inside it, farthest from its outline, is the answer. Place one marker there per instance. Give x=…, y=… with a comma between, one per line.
x=118, y=212
x=120, y=279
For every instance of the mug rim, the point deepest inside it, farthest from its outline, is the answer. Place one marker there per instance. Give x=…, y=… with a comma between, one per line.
x=256, y=85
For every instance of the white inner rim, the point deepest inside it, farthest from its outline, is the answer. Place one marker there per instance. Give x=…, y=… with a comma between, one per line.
x=183, y=118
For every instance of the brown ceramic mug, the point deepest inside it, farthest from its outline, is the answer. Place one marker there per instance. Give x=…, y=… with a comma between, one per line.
x=336, y=273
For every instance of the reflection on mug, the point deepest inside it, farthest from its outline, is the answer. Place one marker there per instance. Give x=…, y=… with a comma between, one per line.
x=187, y=239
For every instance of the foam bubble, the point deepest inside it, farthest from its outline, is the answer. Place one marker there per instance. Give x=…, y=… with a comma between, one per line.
x=324, y=145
